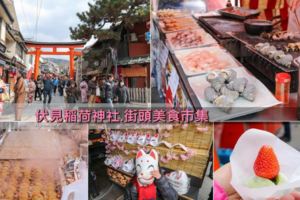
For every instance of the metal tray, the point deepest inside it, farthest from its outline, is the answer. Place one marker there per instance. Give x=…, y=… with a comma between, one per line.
x=263, y=64
x=248, y=13
x=219, y=27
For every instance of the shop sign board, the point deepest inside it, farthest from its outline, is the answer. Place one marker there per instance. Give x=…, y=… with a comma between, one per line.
x=134, y=72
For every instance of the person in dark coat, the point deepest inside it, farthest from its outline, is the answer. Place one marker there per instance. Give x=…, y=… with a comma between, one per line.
x=109, y=90
x=102, y=90
x=122, y=93
x=48, y=87
x=39, y=86
x=55, y=85
x=72, y=94
x=115, y=88
x=61, y=85
x=92, y=85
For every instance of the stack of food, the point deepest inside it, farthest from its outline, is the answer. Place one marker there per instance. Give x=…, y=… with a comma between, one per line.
x=226, y=88
x=177, y=24
x=185, y=39
x=22, y=182
x=279, y=35
x=170, y=13
x=292, y=47
x=203, y=60
x=278, y=55
x=118, y=177
x=189, y=39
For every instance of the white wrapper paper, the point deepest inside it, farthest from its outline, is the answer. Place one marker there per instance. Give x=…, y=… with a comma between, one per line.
x=243, y=158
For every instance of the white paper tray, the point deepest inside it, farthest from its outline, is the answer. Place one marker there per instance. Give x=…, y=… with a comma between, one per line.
x=221, y=53
x=264, y=98
x=207, y=39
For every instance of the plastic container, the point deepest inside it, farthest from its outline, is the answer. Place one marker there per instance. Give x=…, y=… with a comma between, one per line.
x=282, y=90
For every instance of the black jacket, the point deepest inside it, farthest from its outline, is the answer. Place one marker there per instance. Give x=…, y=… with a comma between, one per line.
x=109, y=90
x=48, y=85
x=92, y=87
x=123, y=94
x=72, y=96
x=164, y=190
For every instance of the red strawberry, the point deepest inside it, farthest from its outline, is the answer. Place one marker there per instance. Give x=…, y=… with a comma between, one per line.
x=266, y=164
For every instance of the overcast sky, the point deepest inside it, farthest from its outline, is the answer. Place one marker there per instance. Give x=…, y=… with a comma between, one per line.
x=56, y=16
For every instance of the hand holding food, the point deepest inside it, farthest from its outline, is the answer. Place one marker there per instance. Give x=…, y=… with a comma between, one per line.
x=267, y=169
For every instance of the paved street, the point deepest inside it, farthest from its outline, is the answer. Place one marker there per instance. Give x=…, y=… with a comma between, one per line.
x=29, y=110
x=56, y=102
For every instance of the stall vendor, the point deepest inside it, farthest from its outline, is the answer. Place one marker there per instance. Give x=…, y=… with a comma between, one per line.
x=149, y=184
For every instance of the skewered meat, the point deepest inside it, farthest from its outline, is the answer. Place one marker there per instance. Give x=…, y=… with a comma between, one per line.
x=292, y=47
x=278, y=35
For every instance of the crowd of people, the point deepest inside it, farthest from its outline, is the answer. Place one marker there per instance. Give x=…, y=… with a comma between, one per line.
x=91, y=90
x=104, y=90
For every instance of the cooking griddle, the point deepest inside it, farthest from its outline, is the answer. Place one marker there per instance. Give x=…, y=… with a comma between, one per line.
x=262, y=63
x=31, y=145
x=219, y=26
x=239, y=12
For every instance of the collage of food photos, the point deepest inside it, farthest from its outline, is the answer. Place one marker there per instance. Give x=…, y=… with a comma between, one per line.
x=150, y=100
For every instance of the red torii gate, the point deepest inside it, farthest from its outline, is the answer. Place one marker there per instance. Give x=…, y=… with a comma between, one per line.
x=38, y=46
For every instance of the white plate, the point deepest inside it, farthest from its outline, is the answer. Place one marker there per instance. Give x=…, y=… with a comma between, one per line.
x=220, y=53
x=264, y=98
x=207, y=39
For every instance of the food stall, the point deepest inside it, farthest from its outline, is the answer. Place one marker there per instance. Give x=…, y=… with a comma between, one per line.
x=227, y=44
x=182, y=149
x=37, y=165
